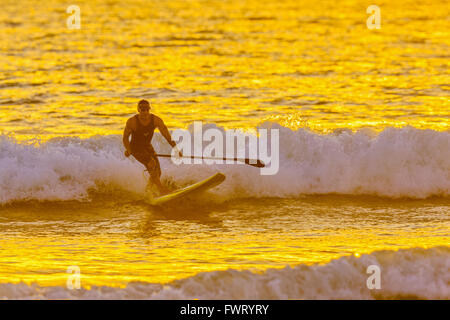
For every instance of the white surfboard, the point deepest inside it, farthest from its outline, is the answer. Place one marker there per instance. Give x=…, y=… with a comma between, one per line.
x=195, y=188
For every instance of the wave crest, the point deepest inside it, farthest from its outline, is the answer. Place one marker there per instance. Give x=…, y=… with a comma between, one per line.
x=404, y=162
x=405, y=274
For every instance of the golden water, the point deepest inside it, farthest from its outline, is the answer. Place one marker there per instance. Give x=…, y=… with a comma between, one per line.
x=234, y=63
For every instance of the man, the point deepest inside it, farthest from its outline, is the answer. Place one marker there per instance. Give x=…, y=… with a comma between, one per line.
x=141, y=128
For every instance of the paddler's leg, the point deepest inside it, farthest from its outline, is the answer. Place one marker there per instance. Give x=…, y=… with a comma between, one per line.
x=149, y=159
x=154, y=169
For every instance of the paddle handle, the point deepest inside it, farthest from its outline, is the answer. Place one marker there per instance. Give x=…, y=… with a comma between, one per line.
x=251, y=162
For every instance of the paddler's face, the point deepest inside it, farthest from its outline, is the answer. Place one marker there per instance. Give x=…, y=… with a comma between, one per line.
x=144, y=112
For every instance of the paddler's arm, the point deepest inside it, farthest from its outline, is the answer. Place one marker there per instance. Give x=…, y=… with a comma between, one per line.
x=164, y=131
x=126, y=138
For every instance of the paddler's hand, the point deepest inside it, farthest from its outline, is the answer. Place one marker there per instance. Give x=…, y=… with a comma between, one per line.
x=174, y=145
x=127, y=153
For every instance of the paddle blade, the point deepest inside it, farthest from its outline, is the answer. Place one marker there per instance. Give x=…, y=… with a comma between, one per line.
x=258, y=164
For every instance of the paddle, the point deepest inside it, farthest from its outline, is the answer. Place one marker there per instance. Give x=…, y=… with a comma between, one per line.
x=251, y=162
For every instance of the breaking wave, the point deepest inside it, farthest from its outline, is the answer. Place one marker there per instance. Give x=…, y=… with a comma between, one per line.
x=404, y=274
x=396, y=162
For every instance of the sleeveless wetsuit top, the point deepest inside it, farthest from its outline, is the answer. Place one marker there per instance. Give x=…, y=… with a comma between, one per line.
x=141, y=138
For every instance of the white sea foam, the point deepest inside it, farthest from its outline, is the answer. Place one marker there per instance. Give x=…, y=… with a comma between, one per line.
x=409, y=273
x=404, y=162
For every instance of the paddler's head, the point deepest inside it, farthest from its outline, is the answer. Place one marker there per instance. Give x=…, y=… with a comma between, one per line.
x=144, y=109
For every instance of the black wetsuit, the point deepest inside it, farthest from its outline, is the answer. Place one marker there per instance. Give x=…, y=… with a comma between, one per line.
x=141, y=147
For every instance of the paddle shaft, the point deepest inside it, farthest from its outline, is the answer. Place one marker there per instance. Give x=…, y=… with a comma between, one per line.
x=251, y=162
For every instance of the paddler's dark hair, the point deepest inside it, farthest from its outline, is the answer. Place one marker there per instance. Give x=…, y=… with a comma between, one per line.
x=143, y=103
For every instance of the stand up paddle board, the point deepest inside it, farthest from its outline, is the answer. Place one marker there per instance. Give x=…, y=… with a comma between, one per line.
x=196, y=188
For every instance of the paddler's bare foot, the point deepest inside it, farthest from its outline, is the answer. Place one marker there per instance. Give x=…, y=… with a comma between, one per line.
x=163, y=190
